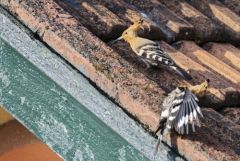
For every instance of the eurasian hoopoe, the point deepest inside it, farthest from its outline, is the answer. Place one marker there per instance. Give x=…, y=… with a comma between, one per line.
x=180, y=109
x=149, y=51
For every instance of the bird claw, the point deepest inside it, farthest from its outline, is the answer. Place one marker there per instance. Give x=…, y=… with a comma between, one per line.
x=147, y=65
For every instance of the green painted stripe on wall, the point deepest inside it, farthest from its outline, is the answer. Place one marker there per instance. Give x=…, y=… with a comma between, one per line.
x=55, y=116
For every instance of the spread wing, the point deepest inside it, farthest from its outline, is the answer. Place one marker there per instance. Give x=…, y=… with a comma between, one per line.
x=184, y=111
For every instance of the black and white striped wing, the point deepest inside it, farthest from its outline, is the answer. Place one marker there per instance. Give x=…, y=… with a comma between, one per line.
x=184, y=112
x=154, y=54
x=167, y=106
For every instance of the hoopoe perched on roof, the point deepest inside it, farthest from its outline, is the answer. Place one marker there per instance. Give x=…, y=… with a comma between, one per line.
x=180, y=109
x=149, y=51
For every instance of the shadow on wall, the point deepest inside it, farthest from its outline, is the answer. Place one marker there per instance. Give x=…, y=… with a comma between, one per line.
x=17, y=143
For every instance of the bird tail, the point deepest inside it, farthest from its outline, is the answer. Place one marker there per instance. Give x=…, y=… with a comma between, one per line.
x=157, y=146
x=160, y=129
x=181, y=72
x=159, y=141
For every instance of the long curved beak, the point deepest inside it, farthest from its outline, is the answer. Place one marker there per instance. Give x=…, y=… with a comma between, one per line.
x=114, y=41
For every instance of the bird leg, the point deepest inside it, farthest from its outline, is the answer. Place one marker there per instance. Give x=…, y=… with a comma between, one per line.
x=147, y=64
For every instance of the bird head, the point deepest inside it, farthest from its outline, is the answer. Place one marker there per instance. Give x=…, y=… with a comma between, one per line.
x=200, y=89
x=204, y=85
x=130, y=32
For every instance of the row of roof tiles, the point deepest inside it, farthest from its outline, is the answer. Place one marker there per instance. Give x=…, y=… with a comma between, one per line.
x=170, y=20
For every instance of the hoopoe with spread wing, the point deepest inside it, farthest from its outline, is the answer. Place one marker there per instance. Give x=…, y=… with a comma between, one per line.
x=149, y=51
x=181, y=109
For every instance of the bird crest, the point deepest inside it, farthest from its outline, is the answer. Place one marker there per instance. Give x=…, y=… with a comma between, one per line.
x=200, y=89
x=135, y=26
x=130, y=32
